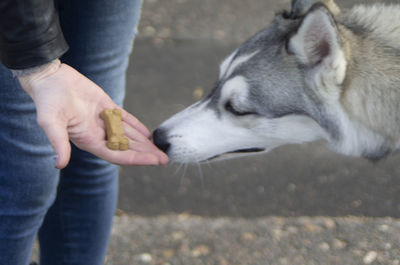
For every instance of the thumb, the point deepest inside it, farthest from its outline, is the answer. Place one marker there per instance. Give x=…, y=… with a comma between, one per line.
x=58, y=136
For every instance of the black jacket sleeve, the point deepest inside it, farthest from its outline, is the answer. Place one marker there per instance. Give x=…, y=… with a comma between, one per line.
x=30, y=33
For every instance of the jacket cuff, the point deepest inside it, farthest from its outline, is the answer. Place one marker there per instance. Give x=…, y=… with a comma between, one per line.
x=18, y=57
x=34, y=70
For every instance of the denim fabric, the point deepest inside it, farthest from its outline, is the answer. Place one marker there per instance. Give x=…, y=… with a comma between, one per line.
x=72, y=209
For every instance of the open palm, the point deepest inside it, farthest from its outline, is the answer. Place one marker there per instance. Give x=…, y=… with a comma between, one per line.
x=68, y=108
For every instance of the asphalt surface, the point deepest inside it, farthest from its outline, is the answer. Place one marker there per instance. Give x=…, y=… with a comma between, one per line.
x=298, y=205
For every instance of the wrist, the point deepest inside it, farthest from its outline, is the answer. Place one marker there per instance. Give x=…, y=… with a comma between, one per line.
x=28, y=77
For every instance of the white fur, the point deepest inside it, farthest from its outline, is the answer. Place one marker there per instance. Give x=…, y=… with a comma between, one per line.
x=225, y=64
x=199, y=133
x=229, y=65
x=236, y=88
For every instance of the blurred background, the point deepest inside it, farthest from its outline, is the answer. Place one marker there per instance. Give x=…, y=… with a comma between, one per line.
x=295, y=205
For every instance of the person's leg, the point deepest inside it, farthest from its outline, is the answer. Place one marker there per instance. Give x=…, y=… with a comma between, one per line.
x=77, y=227
x=28, y=178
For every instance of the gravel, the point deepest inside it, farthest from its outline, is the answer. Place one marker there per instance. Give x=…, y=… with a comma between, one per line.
x=185, y=239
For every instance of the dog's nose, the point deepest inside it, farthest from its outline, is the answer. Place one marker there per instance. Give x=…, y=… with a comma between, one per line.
x=160, y=140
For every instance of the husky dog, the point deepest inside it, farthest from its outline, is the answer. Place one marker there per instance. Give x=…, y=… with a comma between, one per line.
x=316, y=73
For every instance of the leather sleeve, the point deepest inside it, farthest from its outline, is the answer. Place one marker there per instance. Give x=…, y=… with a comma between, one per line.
x=30, y=33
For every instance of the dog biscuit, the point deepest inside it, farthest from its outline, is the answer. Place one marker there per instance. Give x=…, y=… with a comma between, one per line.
x=116, y=139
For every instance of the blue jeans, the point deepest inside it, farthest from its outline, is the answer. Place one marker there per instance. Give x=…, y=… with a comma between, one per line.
x=70, y=210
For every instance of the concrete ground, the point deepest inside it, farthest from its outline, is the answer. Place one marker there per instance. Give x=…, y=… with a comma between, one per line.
x=298, y=205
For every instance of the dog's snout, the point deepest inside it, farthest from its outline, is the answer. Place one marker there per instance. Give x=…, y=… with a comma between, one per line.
x=160, y=140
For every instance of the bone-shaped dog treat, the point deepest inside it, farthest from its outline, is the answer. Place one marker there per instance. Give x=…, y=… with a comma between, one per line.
x=116, y=139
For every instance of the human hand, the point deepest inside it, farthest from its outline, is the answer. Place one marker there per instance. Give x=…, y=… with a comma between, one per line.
x=68, y=108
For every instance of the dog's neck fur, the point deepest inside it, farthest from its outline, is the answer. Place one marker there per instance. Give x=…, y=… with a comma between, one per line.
x=364, y=98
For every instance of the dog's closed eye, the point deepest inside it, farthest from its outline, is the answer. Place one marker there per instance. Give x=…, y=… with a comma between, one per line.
x=230, y=108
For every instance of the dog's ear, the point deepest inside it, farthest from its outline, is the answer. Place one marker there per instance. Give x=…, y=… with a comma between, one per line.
x=317, y=44
x=301, y=7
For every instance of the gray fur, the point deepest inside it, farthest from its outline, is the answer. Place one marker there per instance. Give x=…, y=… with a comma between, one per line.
x=346, y=79
x=301, y=7
x=275, y=77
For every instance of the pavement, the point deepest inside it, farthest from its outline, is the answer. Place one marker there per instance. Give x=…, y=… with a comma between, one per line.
x=298, y=205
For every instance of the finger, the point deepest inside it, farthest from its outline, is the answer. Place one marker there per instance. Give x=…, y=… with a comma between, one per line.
x=134, y=134
x=129, y=157
x=163, y=159
x=135, y=123
x=136, y=158
x=142, y=144
x=146, y=148
x=137, y=137
x=58, y=137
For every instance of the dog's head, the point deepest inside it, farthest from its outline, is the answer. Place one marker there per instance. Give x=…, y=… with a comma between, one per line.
x=268, y=93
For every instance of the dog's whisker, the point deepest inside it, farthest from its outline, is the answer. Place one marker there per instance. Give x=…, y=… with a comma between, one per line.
x=200, y=170
x=178, y=168
x=182, y=179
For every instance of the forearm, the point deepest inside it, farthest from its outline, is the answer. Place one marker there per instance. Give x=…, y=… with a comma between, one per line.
x=30, y=33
